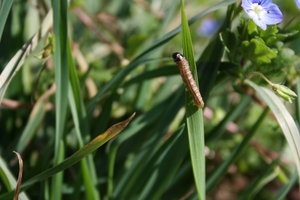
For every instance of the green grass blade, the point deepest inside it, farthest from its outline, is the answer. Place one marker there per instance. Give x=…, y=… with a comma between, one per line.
x=14, y=65
x=111, y=163
x=222, y=169
x=56, y=184
x=298, y=101
x=9, y=180
x=79, y=117
x=61, y=68
x=210, y=60
x=269, y=174
x=35, y=120
x=164, y=165
x=81, y=153
x=284, y=119
x=286, y=188
x=154, y=73
x=150, y=117
x=60, y=13
x=293, y=180
x=129, y=183
x=143, y=93
x=194, y=116
x=155, y=170
x=4, y=11
x=231, y=115
x=139, y=125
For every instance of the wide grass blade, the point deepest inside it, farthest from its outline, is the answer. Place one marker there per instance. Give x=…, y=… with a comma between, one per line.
x=4, y=11
x=295, y=176
x=78, y=155
x=17, y=61
x=285, y=120
x=60, y=25
x=79, y=117
x=194, y=116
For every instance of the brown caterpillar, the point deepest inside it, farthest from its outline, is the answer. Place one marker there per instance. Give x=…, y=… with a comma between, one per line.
x=187, y=77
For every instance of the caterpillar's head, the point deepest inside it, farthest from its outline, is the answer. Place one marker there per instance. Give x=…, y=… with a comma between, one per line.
x=177, y=56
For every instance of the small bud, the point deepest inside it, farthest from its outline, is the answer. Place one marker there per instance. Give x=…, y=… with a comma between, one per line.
x=48, y=50
x=284, y=92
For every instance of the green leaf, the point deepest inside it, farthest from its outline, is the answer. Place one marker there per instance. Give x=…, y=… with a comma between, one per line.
x=82, y=152
x=251, y=28
x=60, y=26
x=164, y=164
x=35, y=120
x=229, y=41
x=79, y=118
x=287, y=187
x=154, y=73
x=14, y=65
x=194, y=116
x=298, y=101
x=4, y=11
x=129, y=184
x=269, y=174
x=210, y=60
x=257, y=51
x=284, y=119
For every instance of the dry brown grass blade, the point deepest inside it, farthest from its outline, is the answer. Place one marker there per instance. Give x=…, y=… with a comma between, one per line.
x=17, y=191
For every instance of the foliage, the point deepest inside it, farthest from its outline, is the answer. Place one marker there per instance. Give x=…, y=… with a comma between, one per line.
x=71, y=71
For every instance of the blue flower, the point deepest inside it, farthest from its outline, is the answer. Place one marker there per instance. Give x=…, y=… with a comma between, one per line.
x=262, y=12
x=208, y=27
x=298, y=3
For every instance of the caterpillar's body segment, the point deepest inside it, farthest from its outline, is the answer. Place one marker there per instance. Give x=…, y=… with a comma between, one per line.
x=188, y=79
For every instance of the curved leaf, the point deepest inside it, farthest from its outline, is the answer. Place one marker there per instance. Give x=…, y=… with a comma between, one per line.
x=77, y=156
x=17, y=61
x=4, y=11
x=284, y=118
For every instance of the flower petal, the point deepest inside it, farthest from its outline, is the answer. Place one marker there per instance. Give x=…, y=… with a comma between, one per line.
x=298, y=3
x=265, y=3
x=246, y=4
x=260, y=23
x=273, y=15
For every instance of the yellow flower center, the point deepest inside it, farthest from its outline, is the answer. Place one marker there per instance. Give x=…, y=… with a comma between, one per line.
x=258, y=9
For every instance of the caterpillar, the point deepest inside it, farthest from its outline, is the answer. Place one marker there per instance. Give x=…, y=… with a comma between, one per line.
x=187, y=77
